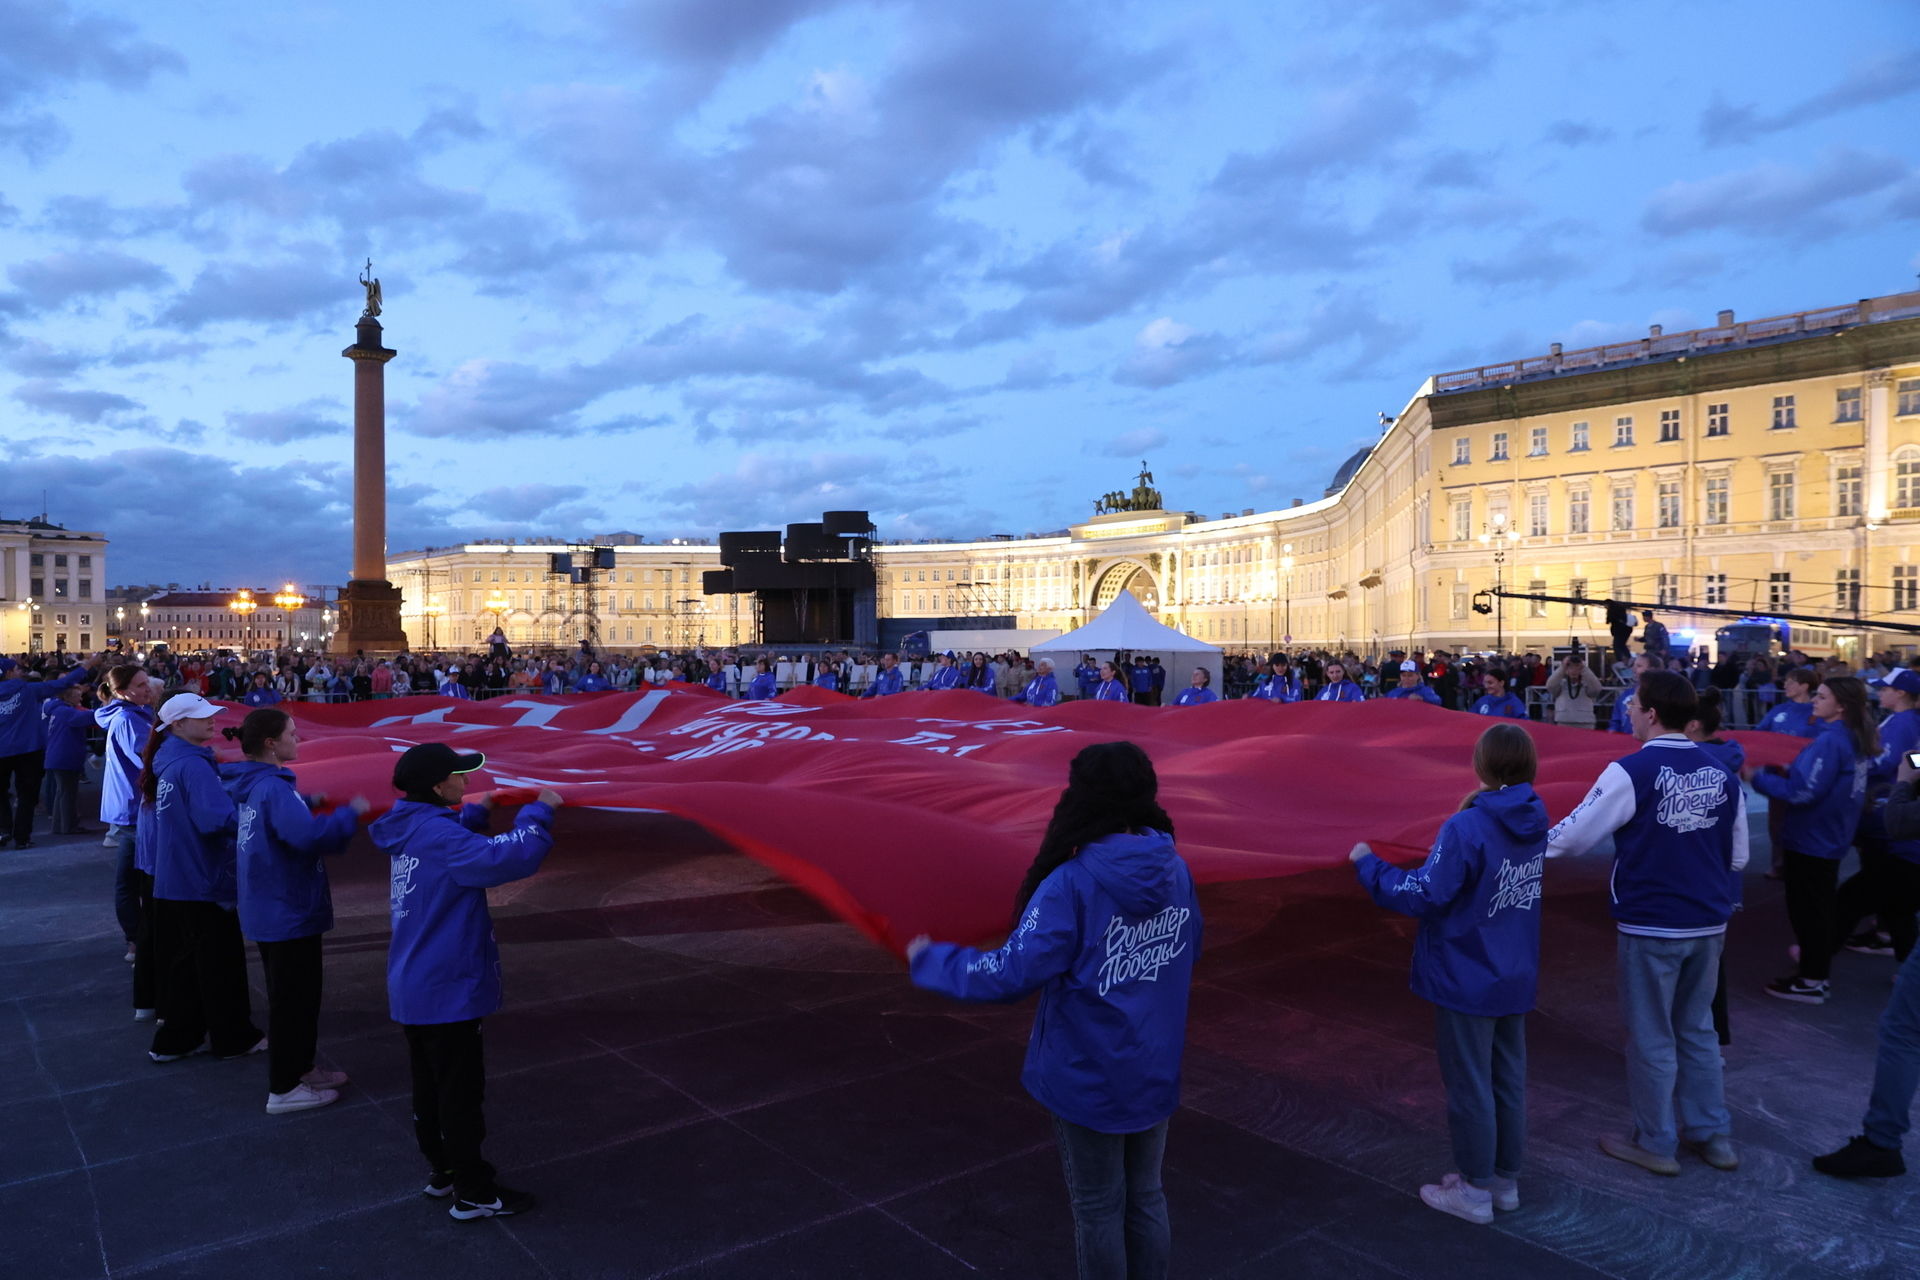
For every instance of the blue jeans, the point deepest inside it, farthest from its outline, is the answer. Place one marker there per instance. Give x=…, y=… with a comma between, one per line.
x=1673, y=1054
x=1896, y=1069
x=126, y=898
x=1120, y=1229
x=1484, y=1064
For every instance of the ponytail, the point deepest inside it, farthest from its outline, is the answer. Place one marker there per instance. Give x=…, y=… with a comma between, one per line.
x=148, y=784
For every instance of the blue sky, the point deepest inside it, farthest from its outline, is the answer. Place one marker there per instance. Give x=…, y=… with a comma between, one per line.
x=688, y=265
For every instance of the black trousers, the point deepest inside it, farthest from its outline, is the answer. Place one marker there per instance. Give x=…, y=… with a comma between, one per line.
x=1887, y=887
x=203, y=980
x=293, y=1008
x=1810, y=910
x=20, y=794
x=146, y=976
x=449, y=1088
x=66, y=800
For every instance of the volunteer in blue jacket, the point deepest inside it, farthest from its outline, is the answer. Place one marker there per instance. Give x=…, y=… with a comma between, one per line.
x=443, y=966
x=1043, y=690
x=1494, y=699
x=1887, y=886
x=1107, y=928
x=126, y=714
x=1140, y=682
x=1199, y=690
x=1679, y=826
x=66, y=754
x=1477, y=961
x=888, y=680
x=1280, y=684
x=1338, y=688
x=200, y=956
x=1795, y=714
x=764, y=683
x=594, y=680
x=262, y=694
x=1823, y=793
x=1086, y=675
x=553, y=681
x=1111, y=687
x=23, y=741
x=450, y=686
x=946, y=675
x=826, y=673
x=1620, y=721
x=1412, y=687
x=285, y=902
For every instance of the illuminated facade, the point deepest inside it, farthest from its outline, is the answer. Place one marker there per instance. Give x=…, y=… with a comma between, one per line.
x=1771, y=466
x=55, y=588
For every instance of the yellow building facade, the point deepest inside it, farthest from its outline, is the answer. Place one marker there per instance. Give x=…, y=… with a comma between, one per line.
x=1770, y=466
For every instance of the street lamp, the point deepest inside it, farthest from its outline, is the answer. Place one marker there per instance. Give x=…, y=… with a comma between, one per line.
x=434, y=611
x=31, y=612
x=1499, y=536
x=1286, y=567
x=496, y=604
x=244, y=604
x=290, y=602
x=143, y=623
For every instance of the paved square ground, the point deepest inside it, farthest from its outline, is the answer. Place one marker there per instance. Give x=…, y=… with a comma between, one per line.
x=702, y=1074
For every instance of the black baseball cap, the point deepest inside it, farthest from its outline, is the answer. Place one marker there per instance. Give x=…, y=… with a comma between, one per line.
x=427, y=765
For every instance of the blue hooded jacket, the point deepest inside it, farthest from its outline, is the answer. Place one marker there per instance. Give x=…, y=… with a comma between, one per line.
x=1499, y=704
x=1899, y=734
x=1823, y=793
x=593, y=683
x=948, y=677
x=66, y=731
x=1041, y=691
x=1477, y=898
x=1795, y=718
x=22, y=729
x=192, y=826
x=1110, y=938
x=279, y=854
x=1343, y=691
x=1195, y=696
x=443, y=964
x=764, y=686
x=887, y=682
x=1282, y=688
x=128, y=727
x=1110, y=691
x=1418, y=693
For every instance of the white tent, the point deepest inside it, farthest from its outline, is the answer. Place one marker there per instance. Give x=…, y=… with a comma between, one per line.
x=1126, y=628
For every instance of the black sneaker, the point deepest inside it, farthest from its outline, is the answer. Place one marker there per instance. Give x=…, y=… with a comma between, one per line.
x=1798, y=989
x=1870, y=944
x=439, y=1185
x=1861, y=1159
x=505, y=1204
x=24, y=844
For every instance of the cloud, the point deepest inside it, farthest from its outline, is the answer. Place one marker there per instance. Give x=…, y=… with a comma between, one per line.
x=318, y=417
x=914, y=494
x=693, y=43
x=1338, y=319
x=1774, y=199
x=77, y=405
x=60, y=278
x=47, y=46
x=261, y=292
x=1576, y=133
x=1128, y=444
x=1883, y=79
x=527, y=502
x=1536, y=260
x=1166, y=352
x=372, y=174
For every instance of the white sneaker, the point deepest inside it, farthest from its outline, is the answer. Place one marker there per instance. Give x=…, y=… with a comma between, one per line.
x=1457, y=1196
x=129, y=956
x=1506, y=1194
x=112, y=839
x=302, y=1097
x=143, y=1015
x=320, y=1079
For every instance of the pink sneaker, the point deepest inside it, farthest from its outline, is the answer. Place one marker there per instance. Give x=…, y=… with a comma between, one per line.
x=1457, y=1196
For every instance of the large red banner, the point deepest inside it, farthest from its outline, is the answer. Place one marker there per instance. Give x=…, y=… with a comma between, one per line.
x=919, y=813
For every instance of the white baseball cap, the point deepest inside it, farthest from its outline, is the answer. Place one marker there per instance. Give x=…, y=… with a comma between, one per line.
x=187, y=706
x=1409, y=666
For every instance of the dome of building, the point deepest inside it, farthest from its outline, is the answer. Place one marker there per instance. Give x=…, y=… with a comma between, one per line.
x=1347, y=468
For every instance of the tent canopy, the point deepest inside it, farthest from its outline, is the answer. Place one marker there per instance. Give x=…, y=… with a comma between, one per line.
x=1126, y=627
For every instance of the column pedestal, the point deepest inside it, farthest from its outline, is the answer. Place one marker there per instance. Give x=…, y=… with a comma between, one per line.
x=369, y=621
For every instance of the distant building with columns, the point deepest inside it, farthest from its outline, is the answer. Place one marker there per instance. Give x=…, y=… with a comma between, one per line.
x=55, y=582
x=1771, y=466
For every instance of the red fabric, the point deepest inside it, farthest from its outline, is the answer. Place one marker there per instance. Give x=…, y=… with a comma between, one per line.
x=919, y=813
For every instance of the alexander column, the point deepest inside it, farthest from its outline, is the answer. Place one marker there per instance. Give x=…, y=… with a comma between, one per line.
x=370, y=605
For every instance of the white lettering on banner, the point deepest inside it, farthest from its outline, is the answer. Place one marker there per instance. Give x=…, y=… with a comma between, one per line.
x=637, y=714
x=438, y=716
x=1688, y=801
x=1141, y=951
x=403, y=869
x=1517, y=884
x=536, y=714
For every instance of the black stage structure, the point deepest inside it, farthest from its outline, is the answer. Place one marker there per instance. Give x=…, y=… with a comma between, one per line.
x=813, y=585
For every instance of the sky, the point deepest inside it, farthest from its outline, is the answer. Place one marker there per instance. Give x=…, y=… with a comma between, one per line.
x=680, y=266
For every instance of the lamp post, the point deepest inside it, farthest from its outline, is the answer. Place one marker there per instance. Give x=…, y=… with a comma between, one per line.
x=244, y=604
x=143, y=624
x=290, y=602
x=496, y=604
x=434, y=611
x=1286, y=567
x=1498, y=535
x=30, y=614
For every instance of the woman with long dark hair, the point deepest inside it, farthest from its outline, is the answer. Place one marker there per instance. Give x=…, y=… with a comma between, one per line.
x=1107, y=927
x=1823, y=793
x=978, y=675
x=285, y=901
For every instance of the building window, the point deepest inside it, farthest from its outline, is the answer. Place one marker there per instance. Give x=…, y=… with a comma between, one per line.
x=1538, y=447
x=1906, y=480
x=84, y=589
x=1669, y=425
x=39, y=560
x=1846, y=404
x=1783, y=413
x=1906, y=586
x=1462, y=451
x=1716, y=588
x=1537, y=608
x=1716, y=503
x=1669, y=497
x=1780, y=495
x=1623, y=507
x=85, y=562
x=1666, y=589
x=1779, y=592
x=1577, y=588
x=1578, y=520
x=59, y=562
x=1908, y=392
x=1622, y=432
x=1846, y=590
x=1717, y=419
x=1499, y=453
x=37, y=586
x=1459, y=603
x=1846, y=491
x=86, y=639
x=1536, y=515
x=1462, y=519
x=59, y=588
x=1577, y=438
